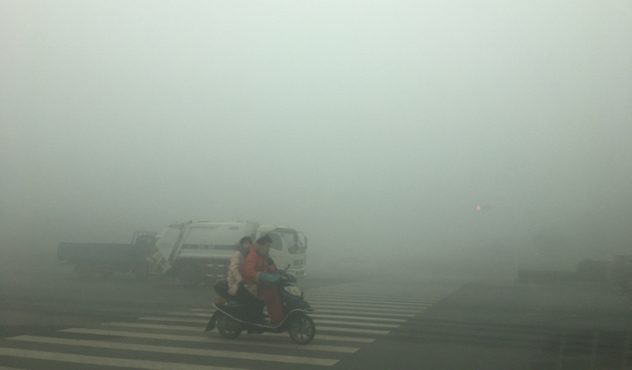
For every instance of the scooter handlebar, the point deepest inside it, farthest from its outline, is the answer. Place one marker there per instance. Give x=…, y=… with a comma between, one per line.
x=287, y=277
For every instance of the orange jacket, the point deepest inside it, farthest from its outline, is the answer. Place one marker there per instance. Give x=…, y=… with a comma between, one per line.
x=255, y=264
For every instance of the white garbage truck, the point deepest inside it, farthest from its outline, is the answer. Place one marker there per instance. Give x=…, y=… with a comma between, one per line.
x=196, y=252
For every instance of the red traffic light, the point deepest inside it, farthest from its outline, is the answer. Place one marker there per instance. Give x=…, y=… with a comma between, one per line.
x=478, y=208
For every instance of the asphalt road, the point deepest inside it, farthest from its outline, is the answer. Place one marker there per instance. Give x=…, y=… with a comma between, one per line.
x=50, y=319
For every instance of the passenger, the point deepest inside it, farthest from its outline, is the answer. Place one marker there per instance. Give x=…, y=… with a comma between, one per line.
x=254, y=306
x=236, y=267
x=259, y=276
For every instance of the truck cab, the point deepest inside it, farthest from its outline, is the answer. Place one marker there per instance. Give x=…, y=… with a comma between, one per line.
x=198, y=251
x=288, y=248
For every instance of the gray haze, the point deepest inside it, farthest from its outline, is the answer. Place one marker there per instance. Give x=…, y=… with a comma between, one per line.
x=372, y=126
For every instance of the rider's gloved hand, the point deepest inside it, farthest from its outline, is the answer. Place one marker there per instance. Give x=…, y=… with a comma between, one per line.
x=268, y=278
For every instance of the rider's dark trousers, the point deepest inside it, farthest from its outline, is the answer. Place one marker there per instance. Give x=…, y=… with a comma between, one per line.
x=254, y=306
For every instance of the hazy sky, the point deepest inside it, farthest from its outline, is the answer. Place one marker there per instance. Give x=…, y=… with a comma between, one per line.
x=363, y=123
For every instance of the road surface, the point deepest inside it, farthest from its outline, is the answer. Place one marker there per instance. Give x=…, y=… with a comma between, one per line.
x=50, y=319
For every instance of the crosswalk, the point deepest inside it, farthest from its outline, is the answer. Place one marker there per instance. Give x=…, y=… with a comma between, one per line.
x=349, y=318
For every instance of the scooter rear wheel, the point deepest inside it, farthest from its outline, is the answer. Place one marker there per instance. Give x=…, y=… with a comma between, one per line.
x=302, y=329
x=227, y=327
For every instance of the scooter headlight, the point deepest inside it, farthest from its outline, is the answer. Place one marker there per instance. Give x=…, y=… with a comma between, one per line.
x=293, y=290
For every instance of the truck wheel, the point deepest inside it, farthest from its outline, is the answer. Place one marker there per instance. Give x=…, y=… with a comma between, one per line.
x=189, y=276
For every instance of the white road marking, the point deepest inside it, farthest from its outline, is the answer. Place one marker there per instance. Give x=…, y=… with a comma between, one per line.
x=155, y=326
x=203, y=312
x=336, y=338
x=315, y=302
x=394, y=311
x=201, y=329
x=192, y=314
x=406, y=315
x=359, y=309
x=180, y=350
x=369, y=303
x=104, y=361
x=203, y=321
x=350, y=330
x=174, y=319
x=371, y=298
x=207, y=339
x=355, y=323
x=362, y=318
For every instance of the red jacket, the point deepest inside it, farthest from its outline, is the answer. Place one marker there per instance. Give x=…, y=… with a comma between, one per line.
x=253, y=265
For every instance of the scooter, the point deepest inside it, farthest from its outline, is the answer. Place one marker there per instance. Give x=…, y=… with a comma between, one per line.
x=231, y=319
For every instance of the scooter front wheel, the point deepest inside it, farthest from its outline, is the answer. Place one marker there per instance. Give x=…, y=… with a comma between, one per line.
x=227, y=327
x=302, y=329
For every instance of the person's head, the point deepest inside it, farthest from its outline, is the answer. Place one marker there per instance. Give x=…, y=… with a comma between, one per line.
x=263, y=245
x=245, y=242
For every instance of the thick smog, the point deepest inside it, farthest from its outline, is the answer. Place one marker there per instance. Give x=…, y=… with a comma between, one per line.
x=423, y=185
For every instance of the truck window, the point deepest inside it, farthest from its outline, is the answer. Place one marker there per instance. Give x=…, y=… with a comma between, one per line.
x=295, y=246
x=277, y=242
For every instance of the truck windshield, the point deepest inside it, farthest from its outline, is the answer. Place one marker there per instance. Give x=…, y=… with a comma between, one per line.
x=294, y=244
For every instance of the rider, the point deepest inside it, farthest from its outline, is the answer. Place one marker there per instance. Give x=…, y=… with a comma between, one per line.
x=236, y=266
x=259, y=276
x=236, y=288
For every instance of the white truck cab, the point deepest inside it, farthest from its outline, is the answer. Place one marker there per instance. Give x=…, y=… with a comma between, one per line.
x=197, y=251
x=288, y=248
